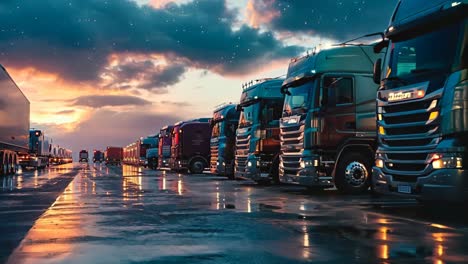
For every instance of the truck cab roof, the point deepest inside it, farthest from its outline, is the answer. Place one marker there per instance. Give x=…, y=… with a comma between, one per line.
x=227, y=111
x=414, y=13
x=342, y=59
x=263, y=89
x=198, y=120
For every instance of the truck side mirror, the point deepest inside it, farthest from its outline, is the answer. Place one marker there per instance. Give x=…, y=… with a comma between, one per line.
x=381, y=45
x=377, y=71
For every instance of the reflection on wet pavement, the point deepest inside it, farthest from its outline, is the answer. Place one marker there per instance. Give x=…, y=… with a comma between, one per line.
x=33, y=179
x=125, y=215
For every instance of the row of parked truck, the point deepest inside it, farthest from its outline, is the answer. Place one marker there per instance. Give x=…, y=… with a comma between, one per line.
x=391, y=116
x=21, y=146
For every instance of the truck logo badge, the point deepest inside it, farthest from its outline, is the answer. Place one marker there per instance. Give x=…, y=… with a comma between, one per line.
x=392, y=97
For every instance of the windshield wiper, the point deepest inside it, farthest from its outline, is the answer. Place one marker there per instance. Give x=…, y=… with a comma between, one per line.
x=424, y=70
x=396, y=79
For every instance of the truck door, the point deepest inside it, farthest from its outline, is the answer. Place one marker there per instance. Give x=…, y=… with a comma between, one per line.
x=339, y=110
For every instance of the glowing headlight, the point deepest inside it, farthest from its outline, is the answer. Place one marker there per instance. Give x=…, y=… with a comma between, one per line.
x=309, y=163
x=249, y=164
x=217, y=163
x=379, y=163
x=446, y=161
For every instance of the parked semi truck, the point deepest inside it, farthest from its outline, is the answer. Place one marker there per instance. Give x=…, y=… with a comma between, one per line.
x=59, y=155
x=152, y=143
x=84, y=156
x=223, y=139
x=164, y=146
x=14, y=123
x=257, y=136
x=39, y=151
x=328, y=125
x=113, y=155
x=98, y=156
x=68, y=158
x=135, y=153
x=422, y=102
x=190, y=150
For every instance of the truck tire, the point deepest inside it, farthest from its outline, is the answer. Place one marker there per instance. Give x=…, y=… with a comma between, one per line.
x=353, y=173
x=197, y=166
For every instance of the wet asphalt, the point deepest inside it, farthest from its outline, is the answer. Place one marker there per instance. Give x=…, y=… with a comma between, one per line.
x=81, y=213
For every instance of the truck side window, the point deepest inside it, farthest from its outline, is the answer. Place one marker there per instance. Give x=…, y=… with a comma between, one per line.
x=342, y=87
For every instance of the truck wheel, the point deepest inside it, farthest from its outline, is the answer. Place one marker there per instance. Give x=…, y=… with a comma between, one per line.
x=197, y=166
x=353, y=174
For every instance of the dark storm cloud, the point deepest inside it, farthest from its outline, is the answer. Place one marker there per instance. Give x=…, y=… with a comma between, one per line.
x=336, y=19
x=98, y=101
x=144, y=75
x=75, y=37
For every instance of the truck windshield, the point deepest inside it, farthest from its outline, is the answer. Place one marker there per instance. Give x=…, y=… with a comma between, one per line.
x=248, y=115
x=427, y=56
x=298, y=101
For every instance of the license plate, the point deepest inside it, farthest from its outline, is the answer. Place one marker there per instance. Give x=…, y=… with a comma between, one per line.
x=404, y=189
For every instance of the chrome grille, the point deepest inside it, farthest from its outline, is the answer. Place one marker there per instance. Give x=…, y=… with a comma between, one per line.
x=292, y=143
x=242, y=152
x=410, y=135
x=214, y=156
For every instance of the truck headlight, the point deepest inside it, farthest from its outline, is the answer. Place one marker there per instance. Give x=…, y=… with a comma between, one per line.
x=446, y=161
x=217, y=163
x=309, y=163
x=379, y=163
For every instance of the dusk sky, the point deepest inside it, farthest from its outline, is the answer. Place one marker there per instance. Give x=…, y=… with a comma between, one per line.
x=105, y=72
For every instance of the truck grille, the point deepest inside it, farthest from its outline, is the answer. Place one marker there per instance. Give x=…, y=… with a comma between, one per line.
x=410, y=136
x=214, y=156
x=242, y=152
x=292, y=142
x=166, y=151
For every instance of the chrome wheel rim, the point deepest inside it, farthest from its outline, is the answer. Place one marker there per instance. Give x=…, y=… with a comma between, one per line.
x=356, y=174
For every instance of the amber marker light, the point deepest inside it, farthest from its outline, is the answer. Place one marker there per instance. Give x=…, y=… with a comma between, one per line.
x=381, y=130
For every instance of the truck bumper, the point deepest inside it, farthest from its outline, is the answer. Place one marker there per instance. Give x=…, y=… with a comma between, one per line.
x=164, y=163
x=254, y=171
x=222, y=168
x=306, y=177
x=450, y=185
x=179, y=165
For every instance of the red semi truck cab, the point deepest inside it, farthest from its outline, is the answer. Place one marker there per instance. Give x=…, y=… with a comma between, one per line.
x=190, y=150
x=113, y=155
x=164, y=146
